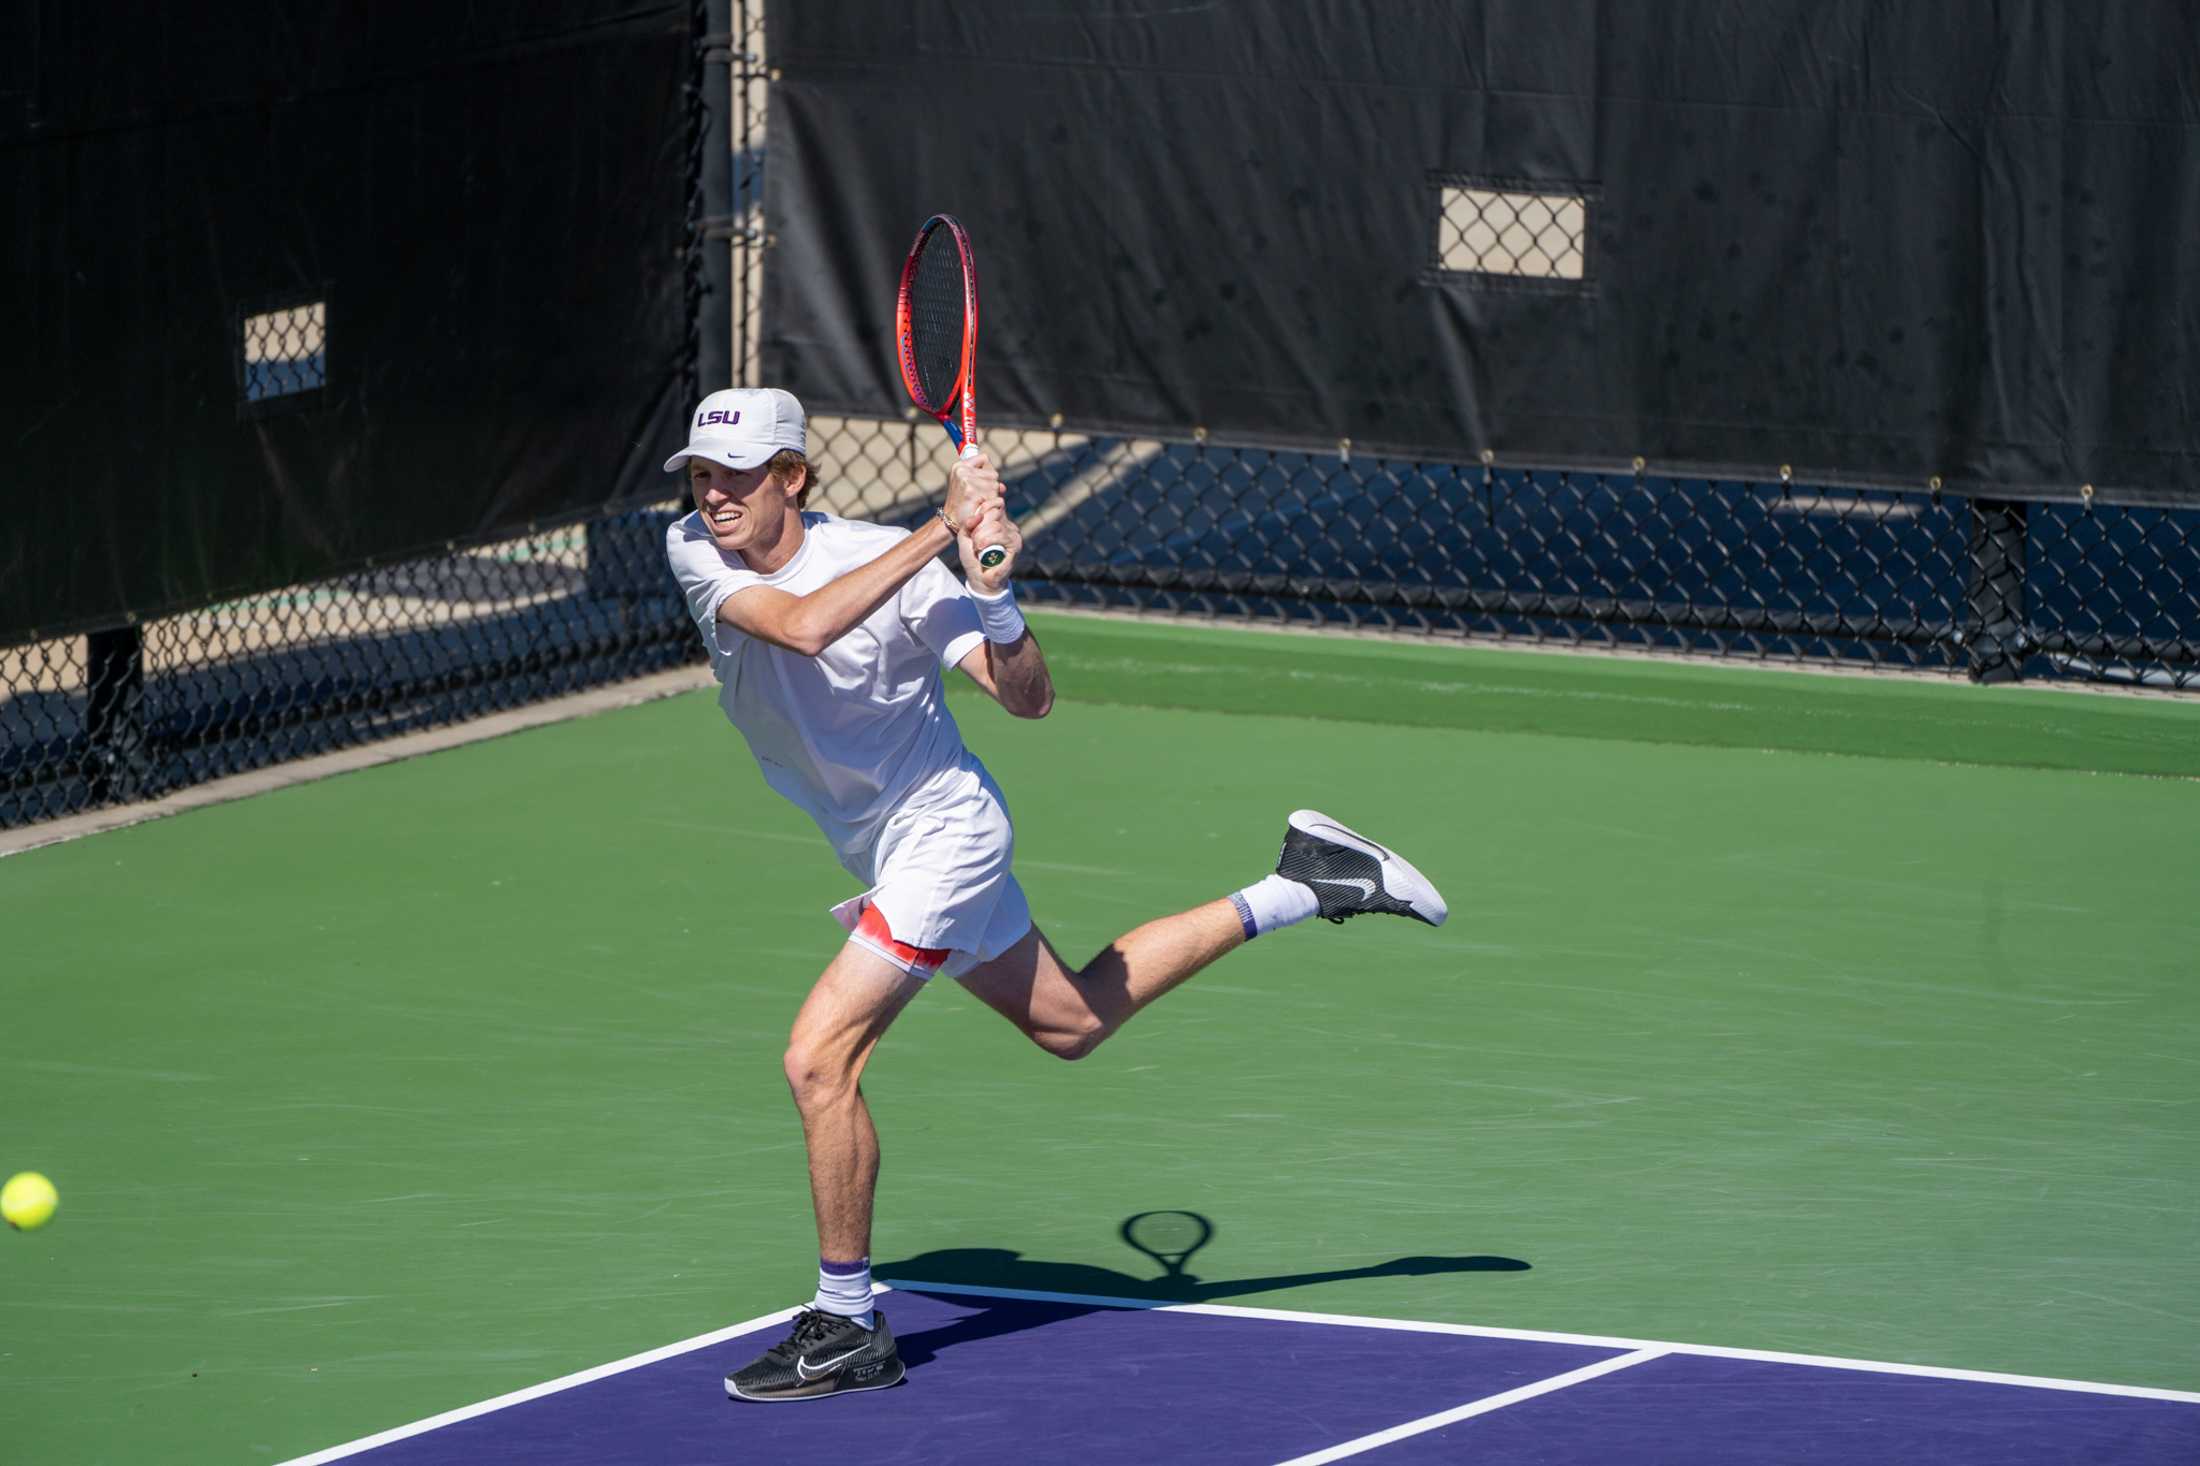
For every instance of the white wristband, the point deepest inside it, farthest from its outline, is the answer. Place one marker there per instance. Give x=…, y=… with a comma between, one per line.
x=1000, y=616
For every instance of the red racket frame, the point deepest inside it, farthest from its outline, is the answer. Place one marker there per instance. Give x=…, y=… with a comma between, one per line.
x=963, y=404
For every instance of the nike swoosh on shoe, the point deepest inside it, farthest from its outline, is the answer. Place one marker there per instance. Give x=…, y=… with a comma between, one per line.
x=808, y=1370
x=1364, y=887
x=1401, y=880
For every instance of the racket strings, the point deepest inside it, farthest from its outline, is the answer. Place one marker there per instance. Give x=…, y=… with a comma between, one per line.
x=936, y=304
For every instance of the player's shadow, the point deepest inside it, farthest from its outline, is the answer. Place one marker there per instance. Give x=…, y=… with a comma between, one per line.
x=997, y=1267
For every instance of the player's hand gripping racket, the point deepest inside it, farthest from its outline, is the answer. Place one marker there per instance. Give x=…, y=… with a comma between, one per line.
x=1169, y=1238
x=936, y=326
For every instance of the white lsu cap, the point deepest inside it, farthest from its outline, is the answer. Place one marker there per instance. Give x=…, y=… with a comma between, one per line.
x=742, y=427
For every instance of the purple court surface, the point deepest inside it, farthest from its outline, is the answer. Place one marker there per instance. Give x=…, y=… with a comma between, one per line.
x=996, y=1376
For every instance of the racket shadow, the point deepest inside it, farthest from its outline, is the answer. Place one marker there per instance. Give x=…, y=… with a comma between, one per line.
x=1000, y=1267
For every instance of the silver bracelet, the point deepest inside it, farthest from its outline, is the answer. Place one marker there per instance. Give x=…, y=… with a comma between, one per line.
x=999, y=616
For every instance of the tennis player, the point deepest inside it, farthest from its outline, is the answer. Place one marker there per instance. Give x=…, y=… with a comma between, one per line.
x=828, y=637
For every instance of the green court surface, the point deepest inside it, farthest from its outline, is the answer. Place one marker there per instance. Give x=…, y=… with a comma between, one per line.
x=1842, y=1015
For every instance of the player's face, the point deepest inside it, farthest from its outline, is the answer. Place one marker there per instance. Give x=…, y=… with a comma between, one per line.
x=742, y=507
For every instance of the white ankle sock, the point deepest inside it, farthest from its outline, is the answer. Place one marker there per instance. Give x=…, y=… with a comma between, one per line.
x=844, y=1288
x=1273, y=902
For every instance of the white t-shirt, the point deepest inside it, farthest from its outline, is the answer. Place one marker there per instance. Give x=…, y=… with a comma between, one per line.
x=855, y=732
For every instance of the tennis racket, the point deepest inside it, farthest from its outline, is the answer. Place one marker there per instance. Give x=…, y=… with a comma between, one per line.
x=1168, y=1237
x=936, y=327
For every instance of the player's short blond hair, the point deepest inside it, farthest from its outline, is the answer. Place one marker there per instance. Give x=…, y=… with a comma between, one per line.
x=786, y=461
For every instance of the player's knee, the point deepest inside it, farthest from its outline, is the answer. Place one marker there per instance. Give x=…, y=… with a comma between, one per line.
x=812, y=1076
x=1073, y=1042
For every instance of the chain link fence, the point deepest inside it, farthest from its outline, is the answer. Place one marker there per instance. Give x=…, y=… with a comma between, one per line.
x=1498, y=231
x=1180, y=525
x=1916, y=580
x=134, y=711
x=284, y=353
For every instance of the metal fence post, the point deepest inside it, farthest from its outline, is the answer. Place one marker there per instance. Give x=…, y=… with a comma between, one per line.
x=714, y=364
x=114, y=715
x=1996, y=625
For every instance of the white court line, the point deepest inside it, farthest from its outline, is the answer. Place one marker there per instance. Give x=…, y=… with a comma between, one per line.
x=1648, y=1347
x=1473, y=1408
x=1544, y=1336
x=536, y=1392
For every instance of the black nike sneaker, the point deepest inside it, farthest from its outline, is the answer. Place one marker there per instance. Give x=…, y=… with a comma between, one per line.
x=825, y=1355
x=1351, y=874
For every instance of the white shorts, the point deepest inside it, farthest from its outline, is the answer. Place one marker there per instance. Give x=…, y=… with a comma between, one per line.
x=940, y=879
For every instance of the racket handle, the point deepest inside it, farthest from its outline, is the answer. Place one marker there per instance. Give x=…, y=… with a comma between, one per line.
x=988, y=555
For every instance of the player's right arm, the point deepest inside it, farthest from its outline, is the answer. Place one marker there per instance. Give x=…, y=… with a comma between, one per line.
x=811, y=622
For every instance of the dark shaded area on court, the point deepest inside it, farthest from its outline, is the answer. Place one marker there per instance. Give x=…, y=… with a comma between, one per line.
x=1000, y=1267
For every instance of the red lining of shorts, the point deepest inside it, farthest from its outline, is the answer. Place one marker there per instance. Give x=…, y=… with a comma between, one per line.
x=872, y=924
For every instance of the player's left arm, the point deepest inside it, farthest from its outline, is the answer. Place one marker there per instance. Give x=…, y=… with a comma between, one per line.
x=1015, y=676
x=1013, y=672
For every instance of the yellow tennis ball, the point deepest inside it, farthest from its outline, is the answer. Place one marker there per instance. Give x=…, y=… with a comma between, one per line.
x=28, y=1200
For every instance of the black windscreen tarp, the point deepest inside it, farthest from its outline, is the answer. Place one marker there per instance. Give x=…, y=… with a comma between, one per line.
x=1875, y=242
x=491, y=205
